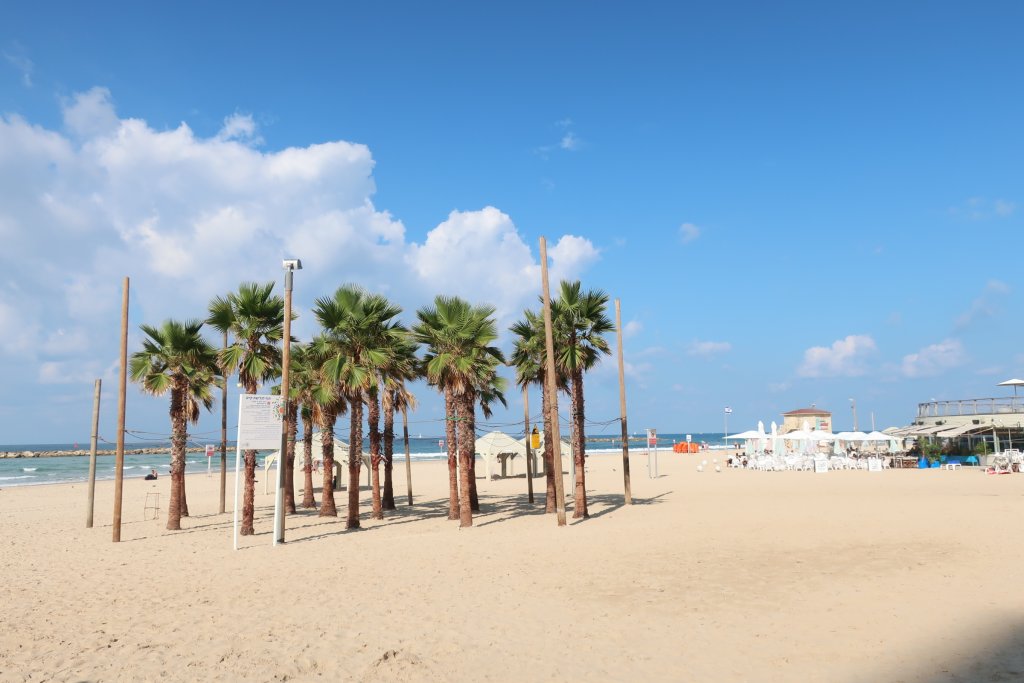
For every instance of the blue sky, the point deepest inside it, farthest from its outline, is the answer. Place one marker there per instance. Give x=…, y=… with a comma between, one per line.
x=797, y=203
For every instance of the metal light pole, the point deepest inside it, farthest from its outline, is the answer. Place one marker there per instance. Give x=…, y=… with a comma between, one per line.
x=290, y=266
x=853, y=407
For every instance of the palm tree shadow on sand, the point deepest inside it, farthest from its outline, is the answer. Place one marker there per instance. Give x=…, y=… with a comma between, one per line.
x=993, y=655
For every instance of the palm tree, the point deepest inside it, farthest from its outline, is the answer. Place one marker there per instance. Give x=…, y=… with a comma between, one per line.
x=200, y=393
x=458, y=338
x=175, y=358
x=302, y=382
x=529, y=357
x=327, y=402
x=488, y=390
x=255, y=317
x=359, y=328
x=402, y=366
x=579, y=321
x=401, y=399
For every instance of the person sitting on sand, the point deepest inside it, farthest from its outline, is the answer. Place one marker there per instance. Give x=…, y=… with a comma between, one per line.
x=151, y=476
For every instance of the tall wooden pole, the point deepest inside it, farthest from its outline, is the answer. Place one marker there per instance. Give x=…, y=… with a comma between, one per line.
x=92, y=451
x=549, y=341
x=121, y=400
x=526, y=440
x=282, y=459
x=224, y=435
x=408, y=458
x=622, y=406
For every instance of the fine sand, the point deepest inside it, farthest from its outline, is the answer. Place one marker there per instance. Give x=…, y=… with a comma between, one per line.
x=734, y=576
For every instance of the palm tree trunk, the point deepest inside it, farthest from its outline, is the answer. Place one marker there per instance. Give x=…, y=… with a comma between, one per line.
x=470, y=417
x=289, y=462
x=453, y=466
x=184, y=499
x=177, y=456
x=389, y=455
x=355, y=459
x=373, y=423
x=549, y=453
x=466, y=441
x=249, y=495
x=307, y=470
x=327, y=507
x=579, y=446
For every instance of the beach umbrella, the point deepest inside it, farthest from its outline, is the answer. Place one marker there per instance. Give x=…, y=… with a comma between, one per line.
x=749, y=434
x=882, y=437
x=778, y=445
x=851, y=436
x=1012, y=383
x=760, y=436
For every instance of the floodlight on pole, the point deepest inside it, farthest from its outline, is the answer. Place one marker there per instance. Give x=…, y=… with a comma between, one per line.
x=853, y=407
x=290, y=266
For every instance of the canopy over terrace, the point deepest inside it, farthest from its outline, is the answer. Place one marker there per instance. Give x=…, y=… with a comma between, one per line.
x=495, y=447
x=1012, y=383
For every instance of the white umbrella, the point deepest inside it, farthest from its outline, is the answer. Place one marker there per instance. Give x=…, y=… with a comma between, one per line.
x=749, y=434
x=778, y=445
x=889, y=441
x=1012, y=383
x=760, y=436
x=877, y=436
x=852, y=436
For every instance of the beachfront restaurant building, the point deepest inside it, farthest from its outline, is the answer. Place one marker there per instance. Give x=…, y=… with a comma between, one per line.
x=816, y=418
x=964, y=424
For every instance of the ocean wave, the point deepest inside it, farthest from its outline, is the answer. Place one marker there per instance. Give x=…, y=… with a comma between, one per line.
x=21, y=476
x=29, y=469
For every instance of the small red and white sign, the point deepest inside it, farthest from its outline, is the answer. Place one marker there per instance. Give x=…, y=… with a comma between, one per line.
x=209, y=450
x=652, y=438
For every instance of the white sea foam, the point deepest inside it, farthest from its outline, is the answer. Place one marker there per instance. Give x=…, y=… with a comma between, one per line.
x=29, y=469
x=23, y=476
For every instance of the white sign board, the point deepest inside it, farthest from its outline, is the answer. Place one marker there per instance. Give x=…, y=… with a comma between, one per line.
x=820, y=465
x=209, y=450
x=259, y=421
x=689, y=438
x=874, y=465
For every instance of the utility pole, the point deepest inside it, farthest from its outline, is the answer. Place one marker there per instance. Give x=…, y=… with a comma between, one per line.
x=549, y=340
x=121, y=399
x=526, y=441
x=224, y=434
x=408, y=458
x=92, y=451
x=622, y=406
x=853, y=406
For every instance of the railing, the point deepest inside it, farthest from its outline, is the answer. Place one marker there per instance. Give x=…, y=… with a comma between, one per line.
x=971, y=406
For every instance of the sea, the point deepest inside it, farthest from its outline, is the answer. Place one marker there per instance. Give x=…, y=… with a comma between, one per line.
x=75, y=468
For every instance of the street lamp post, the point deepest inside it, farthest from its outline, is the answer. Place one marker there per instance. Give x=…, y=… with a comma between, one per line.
x=290, y=266
x=853, y=407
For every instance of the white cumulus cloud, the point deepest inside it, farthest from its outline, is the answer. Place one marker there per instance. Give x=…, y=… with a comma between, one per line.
x=708, y=348
x=688, y=232
x=188, y=217
x=934, y=359
x=844, y=358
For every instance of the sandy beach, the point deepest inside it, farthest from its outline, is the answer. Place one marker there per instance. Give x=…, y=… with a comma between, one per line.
x=736, y=576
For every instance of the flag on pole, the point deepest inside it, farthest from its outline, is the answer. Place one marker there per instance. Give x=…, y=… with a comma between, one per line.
x=728, y=410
